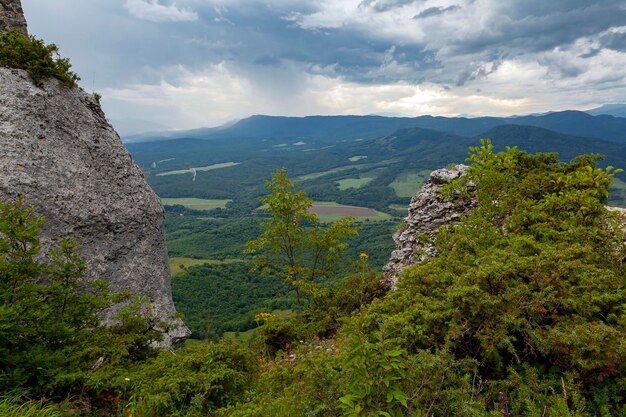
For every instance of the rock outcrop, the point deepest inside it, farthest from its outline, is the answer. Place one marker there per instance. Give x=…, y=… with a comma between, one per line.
x=12, y=16
x=59, y=152
x=427, y=213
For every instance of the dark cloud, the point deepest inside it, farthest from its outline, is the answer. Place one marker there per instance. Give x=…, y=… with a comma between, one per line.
x=522, y=29
x=386, y=5
x=436, y=11
x=615, y=41
x=112, y=46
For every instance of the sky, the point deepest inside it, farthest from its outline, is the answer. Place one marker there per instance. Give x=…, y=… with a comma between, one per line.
x=182, y=64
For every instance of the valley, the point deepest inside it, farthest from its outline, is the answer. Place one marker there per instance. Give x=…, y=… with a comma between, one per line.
x=367, y=167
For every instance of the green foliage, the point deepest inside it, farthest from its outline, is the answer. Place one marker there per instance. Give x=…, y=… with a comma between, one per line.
x=219, y=298
x=190, y=382
x=50, y=316
x=41, y=61
x=14, y=406
x=377, y=370
x=294, y=245
x=305, y=381
x=529, y=288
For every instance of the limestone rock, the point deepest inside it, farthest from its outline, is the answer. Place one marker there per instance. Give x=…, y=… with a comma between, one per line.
x=12, y=16
x=58, y=151
x=427, y=213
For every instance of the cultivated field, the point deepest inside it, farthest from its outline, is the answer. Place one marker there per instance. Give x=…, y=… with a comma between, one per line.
x=195, y=203
x=177, y=262
x=408, y=183
x=331, y=211
x=354, y=182
x=195, y=169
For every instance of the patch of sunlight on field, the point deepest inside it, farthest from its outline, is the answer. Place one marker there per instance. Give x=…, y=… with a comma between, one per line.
x=177, y=262
x=191, y=170
x=357, y=158
x=195, y=203
x=361, y=167
x=354, y=182
x=408, y=184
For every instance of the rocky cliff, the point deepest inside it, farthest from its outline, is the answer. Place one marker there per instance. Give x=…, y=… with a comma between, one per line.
x=61, y=154
x=427, y=212
x=12, y=16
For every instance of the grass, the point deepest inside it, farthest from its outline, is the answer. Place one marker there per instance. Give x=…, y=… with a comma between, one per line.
x=401, y=207
x=195, y=203
x=243, y=338
x=357, y=158
x=316, y=175
x=342, y=168
x=177, y=262
x=15, y=407
x=328, y=218
x=191, y=170
x=408, y=183
x=354, y=182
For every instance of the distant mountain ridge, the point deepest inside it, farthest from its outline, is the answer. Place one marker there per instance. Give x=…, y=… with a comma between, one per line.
x=336, y=128
x=617, y=110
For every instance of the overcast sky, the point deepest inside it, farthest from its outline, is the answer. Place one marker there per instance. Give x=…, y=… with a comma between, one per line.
x=193, y=63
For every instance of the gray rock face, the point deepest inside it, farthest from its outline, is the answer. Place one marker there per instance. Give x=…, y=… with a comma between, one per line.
x=12, y=16
x=58, y=151
x=427, y=213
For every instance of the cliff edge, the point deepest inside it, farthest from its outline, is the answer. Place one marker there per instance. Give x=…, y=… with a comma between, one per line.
x=427, y=213
x=62, y=155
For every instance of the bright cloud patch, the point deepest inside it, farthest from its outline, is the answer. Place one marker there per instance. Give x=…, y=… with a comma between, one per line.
x=152, y=11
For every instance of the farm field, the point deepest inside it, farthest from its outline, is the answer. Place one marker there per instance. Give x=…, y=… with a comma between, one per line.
x=328, y=211
x=191, y=170
x=354, y=182
x=408, y=183
x=176, y=262
x=195, y=203
x=357, y=158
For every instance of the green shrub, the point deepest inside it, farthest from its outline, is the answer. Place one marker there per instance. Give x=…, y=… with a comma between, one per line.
x=527, y=292
x=41, y=61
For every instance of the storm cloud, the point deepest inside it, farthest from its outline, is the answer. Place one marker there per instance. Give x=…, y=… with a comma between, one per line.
x=191, y=63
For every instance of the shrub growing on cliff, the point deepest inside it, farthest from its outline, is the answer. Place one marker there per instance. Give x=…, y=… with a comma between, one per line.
x=41, y=61
x=50, y=317
x=525, y=300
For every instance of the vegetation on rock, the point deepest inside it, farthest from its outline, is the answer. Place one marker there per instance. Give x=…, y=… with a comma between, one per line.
x=41, y=61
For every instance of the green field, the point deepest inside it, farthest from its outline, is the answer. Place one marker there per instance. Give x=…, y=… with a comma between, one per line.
x=408, y=184
x=357, y=158
x=195, y=203
x=354, y=182
x=176, y=262
x=316, y=175
x=361, y=167
x=333, y=211
x=401, y=207
x=191, y=170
